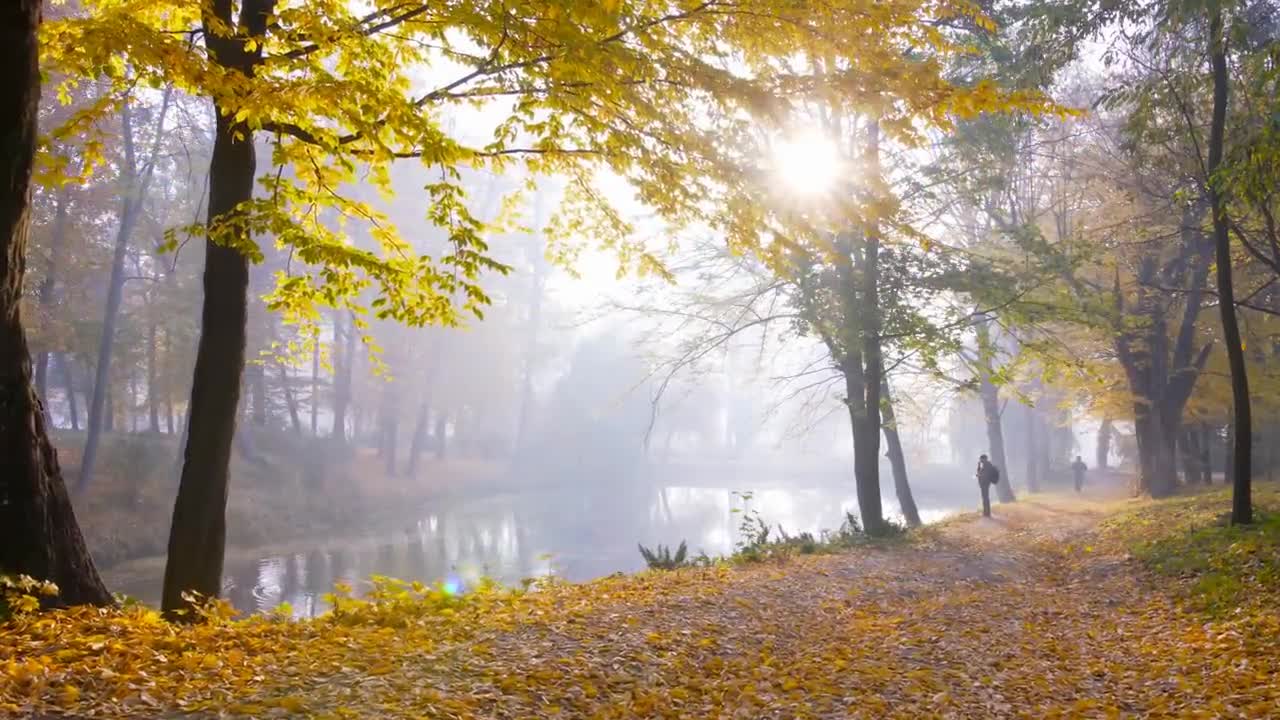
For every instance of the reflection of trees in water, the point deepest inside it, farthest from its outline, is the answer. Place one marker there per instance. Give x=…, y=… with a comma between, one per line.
x=319, y=579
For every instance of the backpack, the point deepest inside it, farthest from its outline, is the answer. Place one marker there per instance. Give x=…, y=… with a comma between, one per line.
x=991, y=474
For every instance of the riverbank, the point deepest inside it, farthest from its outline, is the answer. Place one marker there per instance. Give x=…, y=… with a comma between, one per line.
x=1057, y=607
x=293, y=490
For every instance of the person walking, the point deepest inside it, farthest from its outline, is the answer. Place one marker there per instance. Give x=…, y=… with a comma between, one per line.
x=1078, y=469
x=987, y=475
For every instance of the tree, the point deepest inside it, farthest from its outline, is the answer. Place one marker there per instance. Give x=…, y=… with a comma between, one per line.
x=39, y=535
x=1241, y=421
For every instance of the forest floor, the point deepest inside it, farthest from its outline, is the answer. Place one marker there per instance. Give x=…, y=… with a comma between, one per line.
x=1056, y=607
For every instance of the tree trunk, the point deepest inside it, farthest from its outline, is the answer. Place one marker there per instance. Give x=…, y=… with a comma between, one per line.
x=342, y=361
x=153, y=396
x=48, y=286
x=130, y=207
x=1191, y=454
x=1242, y=419
x=109, y=413
x=389, y=431
x=1102, y=456
x=1206, y=454
x=315, y=387
x=897, y=460
x=991, y=412
x=995, y=438
x=197, y=535
x=256, y=373
x=442, y=435
x=39, y=535
x=419, y=438
x=290, y=401
x=1155, y=452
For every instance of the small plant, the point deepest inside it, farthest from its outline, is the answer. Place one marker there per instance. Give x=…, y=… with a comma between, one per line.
x=661, y=558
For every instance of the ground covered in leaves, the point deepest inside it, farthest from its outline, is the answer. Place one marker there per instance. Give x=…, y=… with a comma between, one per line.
x=1055, y=608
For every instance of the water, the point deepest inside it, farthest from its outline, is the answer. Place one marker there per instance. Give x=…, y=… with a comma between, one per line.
x=577, y=534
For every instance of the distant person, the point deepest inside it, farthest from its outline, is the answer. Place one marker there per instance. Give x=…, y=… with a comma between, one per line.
x=1078, y=469
x=987, y=475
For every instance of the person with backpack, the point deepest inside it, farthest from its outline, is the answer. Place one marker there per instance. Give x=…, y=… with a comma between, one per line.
x=1078, y=469
x=987, y=475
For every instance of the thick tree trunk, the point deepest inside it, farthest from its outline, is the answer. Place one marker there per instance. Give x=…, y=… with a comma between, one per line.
x=1242, y=418
x=39, y=535
x=48, y=287
x=197, y=535
x=897, y=460
x=1155, y=452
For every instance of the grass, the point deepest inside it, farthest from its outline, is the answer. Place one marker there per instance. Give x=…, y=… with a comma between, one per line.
x=1221, y=567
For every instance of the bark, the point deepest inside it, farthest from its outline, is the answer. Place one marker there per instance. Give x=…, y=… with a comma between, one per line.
x=1242, y=419
x=68, y=381
x=897, y=460
x=39, y=535
x=1102, y=457
x=48, y=287
x=198, y=531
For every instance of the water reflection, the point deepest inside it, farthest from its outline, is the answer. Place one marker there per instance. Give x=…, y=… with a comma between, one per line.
x=571, y=533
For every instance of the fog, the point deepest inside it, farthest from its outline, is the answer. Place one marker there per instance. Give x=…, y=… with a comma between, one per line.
x=591, y=408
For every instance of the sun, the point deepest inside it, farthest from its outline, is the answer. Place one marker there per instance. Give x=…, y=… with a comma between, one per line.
x=807, y=163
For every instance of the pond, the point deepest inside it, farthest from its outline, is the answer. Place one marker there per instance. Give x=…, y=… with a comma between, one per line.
x=575, y=533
